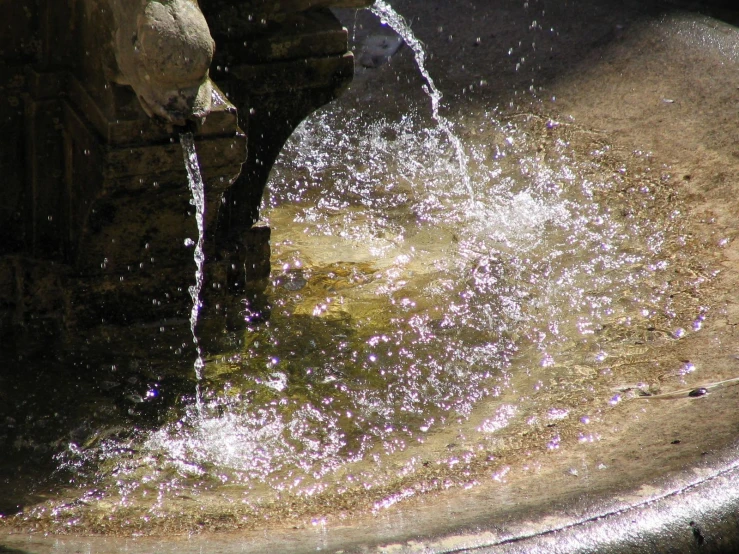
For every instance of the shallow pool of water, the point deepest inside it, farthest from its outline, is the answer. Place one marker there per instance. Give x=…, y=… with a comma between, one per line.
x=416, y=339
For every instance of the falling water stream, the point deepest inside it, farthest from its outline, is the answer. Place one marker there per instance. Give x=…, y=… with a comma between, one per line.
x=197, y=188
x=398, y=24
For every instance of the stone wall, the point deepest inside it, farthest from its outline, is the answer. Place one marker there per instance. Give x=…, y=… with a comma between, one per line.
x=90, y=181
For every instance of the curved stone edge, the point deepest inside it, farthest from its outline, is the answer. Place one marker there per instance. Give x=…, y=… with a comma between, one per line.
x=701, y=514
x=698, y=515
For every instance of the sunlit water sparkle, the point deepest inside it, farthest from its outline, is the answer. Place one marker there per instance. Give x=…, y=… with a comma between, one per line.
x=398, y=24
x=400, y=319
x=413, y=332
x=197, y=189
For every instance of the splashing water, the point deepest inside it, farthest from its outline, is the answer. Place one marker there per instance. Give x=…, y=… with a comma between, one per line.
x=195, y=181
x=397, y=335
x=397, y=23
x=409, y=337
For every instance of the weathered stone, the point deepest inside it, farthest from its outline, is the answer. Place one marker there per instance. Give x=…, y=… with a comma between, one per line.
x=44, y=156
x=278, y=71
x=102, y=200
x=131, y=201
x=259, y=11
x=303, y=35
x=255, y=243
x=163, y=50
x=378, y=49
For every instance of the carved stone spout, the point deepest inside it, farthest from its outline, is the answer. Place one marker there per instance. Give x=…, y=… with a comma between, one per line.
x=163, y=49
x=96, y=216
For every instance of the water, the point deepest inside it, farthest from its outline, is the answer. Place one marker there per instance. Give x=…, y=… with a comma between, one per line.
x=412, y=345
x=197, y=188
x=398, y=24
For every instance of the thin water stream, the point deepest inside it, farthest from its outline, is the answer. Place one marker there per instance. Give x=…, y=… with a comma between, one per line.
x=197, y=189
x=397, y=23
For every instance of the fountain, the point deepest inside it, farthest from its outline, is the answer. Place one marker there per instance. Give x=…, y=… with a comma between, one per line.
x=98, y=206
x=414, y=376
x=95, y=209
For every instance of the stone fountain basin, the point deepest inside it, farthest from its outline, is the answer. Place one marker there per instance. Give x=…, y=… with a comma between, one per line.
x=652, y=77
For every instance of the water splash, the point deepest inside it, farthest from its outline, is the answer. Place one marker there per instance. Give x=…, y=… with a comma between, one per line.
x=397, y=23
x=195, y=181
x=415, y=323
